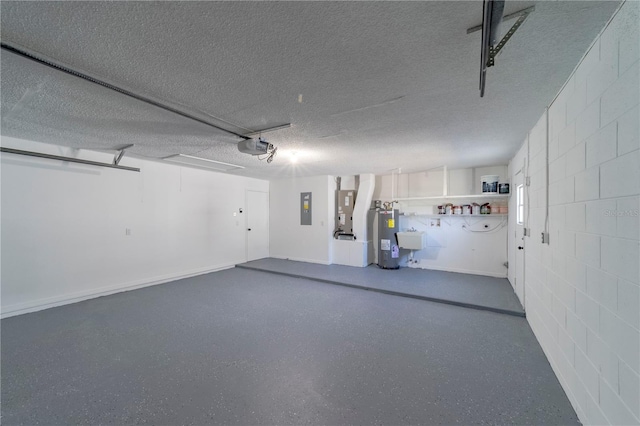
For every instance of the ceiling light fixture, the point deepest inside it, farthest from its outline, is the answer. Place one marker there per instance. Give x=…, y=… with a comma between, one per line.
x=202, y=162
x=299, y=154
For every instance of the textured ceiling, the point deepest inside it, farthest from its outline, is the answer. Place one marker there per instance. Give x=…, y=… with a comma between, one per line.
x=367, y=86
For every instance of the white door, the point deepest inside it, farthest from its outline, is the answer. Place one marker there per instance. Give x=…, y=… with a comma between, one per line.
x=257, y=225
x=518, y=239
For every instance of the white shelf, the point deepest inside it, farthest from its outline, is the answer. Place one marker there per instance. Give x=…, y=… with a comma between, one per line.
x=456, y=197
x=481, y=216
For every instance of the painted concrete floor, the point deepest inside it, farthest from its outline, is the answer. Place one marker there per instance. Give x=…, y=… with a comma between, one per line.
x=475, y=291
x=247, y=347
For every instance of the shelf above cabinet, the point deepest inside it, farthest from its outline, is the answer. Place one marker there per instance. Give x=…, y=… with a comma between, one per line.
x=447, y=216
x=457, y=197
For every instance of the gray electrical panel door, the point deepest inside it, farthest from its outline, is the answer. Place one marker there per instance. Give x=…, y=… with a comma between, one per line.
x=305, y=208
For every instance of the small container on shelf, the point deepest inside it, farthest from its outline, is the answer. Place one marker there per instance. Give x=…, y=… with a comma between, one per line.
x=441, y=210
x=475, y=208
x=501, y=208
x=485, y=209
x=466, y=209
x=457, y=209
x=490, y=184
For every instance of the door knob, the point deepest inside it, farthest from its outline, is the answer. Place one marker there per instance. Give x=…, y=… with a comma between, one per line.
x=249, y=229
x=520, y=247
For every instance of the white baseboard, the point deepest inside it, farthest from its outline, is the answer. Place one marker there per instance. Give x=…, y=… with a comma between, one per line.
x=51, y=302
x=300, y=259
x=354, y=265
x=463, y=271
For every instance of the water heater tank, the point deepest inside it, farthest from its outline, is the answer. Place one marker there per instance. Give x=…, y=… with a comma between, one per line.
x=388, y=249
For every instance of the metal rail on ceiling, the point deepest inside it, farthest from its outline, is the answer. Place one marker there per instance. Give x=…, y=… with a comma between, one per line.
x=60, y=67
x=68, y=159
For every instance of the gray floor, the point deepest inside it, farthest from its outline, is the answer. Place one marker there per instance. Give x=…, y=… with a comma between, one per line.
x=248, y=347
x=473, y=291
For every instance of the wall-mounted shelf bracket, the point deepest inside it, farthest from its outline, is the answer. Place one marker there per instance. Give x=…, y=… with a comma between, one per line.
x=120, y=154
x=493, y=51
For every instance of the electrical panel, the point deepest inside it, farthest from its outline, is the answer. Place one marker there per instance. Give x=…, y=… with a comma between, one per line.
x=305, y=208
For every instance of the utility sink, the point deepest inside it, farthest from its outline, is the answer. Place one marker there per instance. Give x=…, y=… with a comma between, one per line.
x=412, y=240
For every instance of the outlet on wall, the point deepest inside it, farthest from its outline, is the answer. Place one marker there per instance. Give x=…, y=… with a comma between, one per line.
x=127, y=231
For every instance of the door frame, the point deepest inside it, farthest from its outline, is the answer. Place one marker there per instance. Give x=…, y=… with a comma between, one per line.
x=246, y=219
x=518, y=238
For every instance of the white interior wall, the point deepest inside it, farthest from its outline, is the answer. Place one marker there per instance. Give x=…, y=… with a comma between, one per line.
x=64, y=225
x=458, y=244
x=420, y=184
x=462, y=182
x=289, y=239
x=583, y=288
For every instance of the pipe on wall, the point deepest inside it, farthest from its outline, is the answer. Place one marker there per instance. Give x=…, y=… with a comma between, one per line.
x=363, y=202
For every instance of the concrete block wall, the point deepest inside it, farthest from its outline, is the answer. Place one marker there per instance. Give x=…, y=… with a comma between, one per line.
x=583, y=288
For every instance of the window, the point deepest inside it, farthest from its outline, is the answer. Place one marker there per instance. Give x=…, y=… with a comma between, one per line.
x=520, y=205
